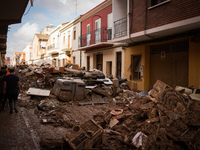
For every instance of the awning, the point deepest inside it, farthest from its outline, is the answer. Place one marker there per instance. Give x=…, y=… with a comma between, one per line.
x=96, y=46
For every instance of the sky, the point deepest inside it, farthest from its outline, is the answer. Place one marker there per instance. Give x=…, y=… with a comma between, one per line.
x=44, y=13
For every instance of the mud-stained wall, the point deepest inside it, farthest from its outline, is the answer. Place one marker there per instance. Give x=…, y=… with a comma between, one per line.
x=142, y=50
x=194, y=64
x=108, y=56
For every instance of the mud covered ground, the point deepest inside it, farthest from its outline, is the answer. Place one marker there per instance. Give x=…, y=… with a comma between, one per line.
x=163, y=119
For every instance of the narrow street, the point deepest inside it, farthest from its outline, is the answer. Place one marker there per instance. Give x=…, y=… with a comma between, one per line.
x=16, y=132
x=100, y=75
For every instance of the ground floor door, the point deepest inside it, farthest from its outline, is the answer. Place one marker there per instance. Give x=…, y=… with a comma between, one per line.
x=99, y=62
x=119, y=64
x=169, y=63
x=54, y=62
x=109, y=68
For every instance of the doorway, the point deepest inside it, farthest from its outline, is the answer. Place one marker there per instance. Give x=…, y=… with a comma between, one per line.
x=99, y=63
x=109, y=68
x=169, y=63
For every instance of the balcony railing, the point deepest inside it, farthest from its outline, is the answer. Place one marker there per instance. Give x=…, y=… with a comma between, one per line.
x=99, y=35
x=53, y=46
x=120, y=27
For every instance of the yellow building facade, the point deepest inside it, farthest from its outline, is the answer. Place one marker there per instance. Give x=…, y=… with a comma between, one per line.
x=175, y=62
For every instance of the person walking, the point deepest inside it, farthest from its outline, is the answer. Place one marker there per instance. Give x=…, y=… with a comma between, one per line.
x=3, y=96
x=12, y=88
x=7, y=70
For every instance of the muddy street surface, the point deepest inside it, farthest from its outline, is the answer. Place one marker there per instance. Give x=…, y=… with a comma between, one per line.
x=15, y=132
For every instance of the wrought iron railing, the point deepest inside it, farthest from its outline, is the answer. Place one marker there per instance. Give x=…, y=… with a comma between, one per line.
x=120, y=27
x=99, y=35
x=52, y=46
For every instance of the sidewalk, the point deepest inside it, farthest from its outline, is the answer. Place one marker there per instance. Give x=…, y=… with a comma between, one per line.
x=14, y=133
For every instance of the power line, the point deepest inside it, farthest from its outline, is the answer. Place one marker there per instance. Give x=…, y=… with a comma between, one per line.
x=29, y=8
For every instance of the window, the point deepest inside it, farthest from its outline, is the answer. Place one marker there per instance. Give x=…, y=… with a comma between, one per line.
x=98, y=31
x=155, y=2
x=135, y=67
x=64, y=60
x=57, y=39
x=68, y=39
x=109, y=26
x=74, y=60
x=88, y=34
x=58, y=62
x=74, y=34
x=64, y=38
x=30, y=56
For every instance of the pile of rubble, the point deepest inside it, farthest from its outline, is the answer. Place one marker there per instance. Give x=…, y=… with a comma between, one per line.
x=170, y=120
x=163, y=118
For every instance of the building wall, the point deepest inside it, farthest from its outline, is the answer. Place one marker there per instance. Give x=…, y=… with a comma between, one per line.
x=35, y=48
x=194, y=64
x=143, y=50
x=70, y=31
x=108, y=56
x=27, y=53
x=172, y=11
x=91, y=20
x=119, y=9
x=75, y=42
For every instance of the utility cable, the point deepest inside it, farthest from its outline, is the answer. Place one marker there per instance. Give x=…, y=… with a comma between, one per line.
x=28, y=10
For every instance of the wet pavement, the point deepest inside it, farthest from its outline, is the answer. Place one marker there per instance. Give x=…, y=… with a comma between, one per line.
x=16, y=132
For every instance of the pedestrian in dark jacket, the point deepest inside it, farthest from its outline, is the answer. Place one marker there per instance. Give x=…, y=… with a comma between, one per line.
x=3, y=96
x=12, y=88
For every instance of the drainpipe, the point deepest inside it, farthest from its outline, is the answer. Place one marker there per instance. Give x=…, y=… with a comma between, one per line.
x=131, y=21
x=145, y=25
x=80, y=43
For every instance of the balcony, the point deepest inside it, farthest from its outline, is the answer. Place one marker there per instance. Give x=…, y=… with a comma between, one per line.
x=66, y=47
x=120, y=27
x=53, y=48
x=97, y=36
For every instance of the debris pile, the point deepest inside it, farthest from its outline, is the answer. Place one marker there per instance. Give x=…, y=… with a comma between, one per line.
x=163, y=118
x=170, y=121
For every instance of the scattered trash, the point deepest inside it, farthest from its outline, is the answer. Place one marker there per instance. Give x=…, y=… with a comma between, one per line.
x=116, y=111
x=68, y=89
x=84, y=136
x=139, y=140
x=38, y=92
x=113, y=122
x=162, y=118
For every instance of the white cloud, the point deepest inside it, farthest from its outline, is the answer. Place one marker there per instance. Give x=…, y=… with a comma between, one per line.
x=23, y=36
x=26, y=32
x=67, y=7
x=40, y=16
x=15, y=46
x=55, y=10
x=63, y=1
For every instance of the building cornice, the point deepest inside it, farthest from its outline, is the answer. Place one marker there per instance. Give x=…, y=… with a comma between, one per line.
x=56, y=29
x=96, y=10
x=71, y=24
